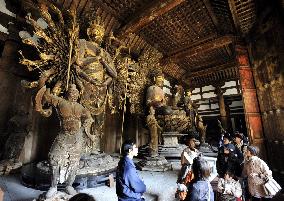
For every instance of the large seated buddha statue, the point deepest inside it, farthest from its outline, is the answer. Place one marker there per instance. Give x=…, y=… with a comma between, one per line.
x=168, y=117
x=156, y=96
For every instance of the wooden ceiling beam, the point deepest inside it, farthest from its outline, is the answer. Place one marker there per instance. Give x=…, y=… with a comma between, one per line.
x=214, y=69
x=147, y=15
x=227, y=71
x=212, y=14
x=199, y=49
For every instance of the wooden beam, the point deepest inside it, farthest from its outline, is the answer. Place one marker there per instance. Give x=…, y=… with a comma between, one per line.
x=212, y=14
x=214, y=69
x=199, y=49
x=234, y=15
x=147, y=15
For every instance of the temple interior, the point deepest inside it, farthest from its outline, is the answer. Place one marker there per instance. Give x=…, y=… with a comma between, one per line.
x=154, y=71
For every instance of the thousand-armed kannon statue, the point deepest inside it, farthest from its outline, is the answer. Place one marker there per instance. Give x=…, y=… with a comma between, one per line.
x=75, y=75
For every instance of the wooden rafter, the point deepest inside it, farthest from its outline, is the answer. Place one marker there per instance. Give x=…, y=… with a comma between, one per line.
x=214, y=69
x=212, y=14
x=211, y=77
x=244, y=14
x=199, y=49
x=147, y=15
x=234, y=14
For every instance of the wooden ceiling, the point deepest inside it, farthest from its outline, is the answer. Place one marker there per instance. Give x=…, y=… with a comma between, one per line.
x=196, y=37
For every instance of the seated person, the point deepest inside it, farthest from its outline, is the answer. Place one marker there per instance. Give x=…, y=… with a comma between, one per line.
x=229, y=188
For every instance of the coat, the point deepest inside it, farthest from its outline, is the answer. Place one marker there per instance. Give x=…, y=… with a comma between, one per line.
x=200, y=191
x=129, y=187
x=226, y=162
x=257, y=172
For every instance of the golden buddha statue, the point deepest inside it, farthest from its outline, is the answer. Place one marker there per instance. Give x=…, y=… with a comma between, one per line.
x=96, y=67
x=155, y=96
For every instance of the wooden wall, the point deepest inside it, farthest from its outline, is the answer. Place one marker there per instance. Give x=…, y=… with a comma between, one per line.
x=267, y=56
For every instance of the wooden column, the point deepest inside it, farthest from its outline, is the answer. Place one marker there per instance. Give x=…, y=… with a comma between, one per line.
x=250, y=101
x=222, y=107
x=8, y=79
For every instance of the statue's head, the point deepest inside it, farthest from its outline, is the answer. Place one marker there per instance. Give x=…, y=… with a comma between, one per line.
x=159, y=79
x=73, y=93
x=96, y=32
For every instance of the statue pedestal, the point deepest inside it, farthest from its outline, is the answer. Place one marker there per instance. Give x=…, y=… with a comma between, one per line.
x=156, y=164
x=171, y=149
x=94, y=171
x=171, y=138
x=9, y=165
x=208, y=150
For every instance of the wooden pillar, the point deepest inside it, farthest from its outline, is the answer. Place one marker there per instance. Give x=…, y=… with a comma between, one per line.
x=250, y=101
x=8, y=79
x=222, y=107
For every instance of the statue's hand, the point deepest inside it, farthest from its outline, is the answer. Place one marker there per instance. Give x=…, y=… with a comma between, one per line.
x=47, y=112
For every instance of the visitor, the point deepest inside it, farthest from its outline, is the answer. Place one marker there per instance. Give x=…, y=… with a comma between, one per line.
x=185, y=175
x=240, y=148
x=257, y=173
x=82, y=197
x=229, y=188
x=188, y=154
x=226, y=159
x=200, y=188
x=129, y=187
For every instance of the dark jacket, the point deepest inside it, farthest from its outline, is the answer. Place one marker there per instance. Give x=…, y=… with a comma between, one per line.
x=226, y=162
x=129, y=187
x=200, y=191
x=239, y=152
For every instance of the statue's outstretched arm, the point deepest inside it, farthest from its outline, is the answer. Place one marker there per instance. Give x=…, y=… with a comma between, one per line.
x=43, y=95
x=51, y=98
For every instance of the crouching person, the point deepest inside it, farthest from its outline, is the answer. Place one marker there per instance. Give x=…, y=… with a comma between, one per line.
x=129, y=187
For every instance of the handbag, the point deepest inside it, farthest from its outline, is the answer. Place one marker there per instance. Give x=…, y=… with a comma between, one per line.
x=272, y=187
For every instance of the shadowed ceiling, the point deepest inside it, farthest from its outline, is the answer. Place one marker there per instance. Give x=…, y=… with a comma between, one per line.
x=196, y=37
